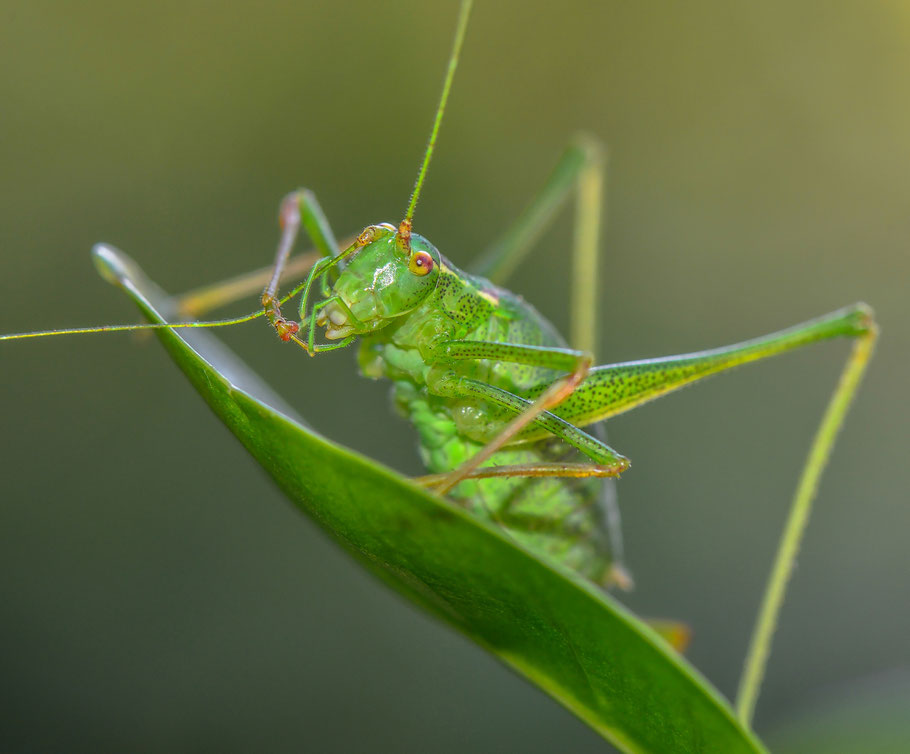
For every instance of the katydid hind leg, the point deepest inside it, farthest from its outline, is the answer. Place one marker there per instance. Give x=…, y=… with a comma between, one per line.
x=608, y=390
x=615, y=388
x=800, y=508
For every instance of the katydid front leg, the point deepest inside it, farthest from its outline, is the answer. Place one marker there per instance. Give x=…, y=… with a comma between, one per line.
x=299, y=208
x=444, y=382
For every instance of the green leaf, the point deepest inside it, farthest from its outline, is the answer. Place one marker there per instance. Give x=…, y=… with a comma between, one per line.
x=562, y=633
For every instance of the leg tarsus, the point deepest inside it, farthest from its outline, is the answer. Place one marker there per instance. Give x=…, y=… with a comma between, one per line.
x=619, y=576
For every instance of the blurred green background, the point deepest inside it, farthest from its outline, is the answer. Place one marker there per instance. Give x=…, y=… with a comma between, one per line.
x=156, y=591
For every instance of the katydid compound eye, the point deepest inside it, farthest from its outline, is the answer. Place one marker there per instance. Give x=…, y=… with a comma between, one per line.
x=421, y=263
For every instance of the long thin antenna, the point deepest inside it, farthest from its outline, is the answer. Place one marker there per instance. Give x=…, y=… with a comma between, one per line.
x=152, y=326
x=130, y=328
x=404, y=230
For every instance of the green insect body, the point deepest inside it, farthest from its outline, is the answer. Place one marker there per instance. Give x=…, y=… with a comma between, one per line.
x=467, y=359
x=557, y=517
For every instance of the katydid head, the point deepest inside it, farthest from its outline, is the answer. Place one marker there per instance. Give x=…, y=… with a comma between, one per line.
x=379, y=283
x=389, y=271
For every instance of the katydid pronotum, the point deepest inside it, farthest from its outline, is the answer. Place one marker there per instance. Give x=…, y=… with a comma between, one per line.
x=497, y=396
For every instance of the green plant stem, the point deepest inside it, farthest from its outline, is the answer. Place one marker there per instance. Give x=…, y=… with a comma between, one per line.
x=760, y=645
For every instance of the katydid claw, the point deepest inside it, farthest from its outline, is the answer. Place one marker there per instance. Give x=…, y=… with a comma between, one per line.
x=286, y=329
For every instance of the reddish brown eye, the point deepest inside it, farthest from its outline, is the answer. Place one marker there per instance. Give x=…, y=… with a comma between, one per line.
x=421, y=263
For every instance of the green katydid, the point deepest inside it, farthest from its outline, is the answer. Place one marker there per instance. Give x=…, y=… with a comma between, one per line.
x=499, y=399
